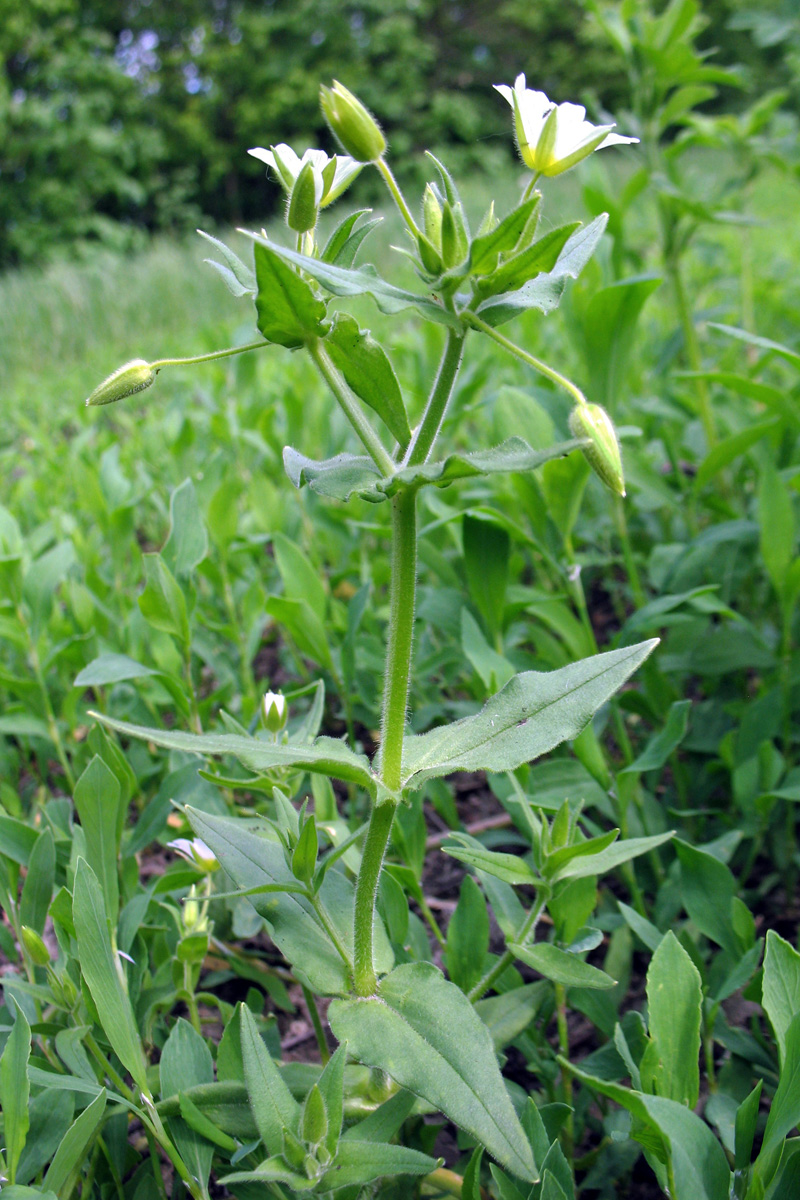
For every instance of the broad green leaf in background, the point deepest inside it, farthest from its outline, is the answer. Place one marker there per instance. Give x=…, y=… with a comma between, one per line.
x=289, y=312
x=274, y=1107
x=661, y=745
x=101, y=968
x=304, y=627
x=97, y=800
x=111, y=668
x=369, y=373
x=560, y=966
x=186, y=1062
x=15, y=1089
x=37, y=891
x=605, y=327
x=563, y=484
x=487, y=547
x=301, y=580
x=776, y=521
x=424, y=1032
x=674, y=1013
x=780, y=987
x=494, y=669
x=74, y=1146
x=708, y=892
x=162, y=602
x=531, y=715
x=784, y=1112
x=187, y=544
x=467, y=936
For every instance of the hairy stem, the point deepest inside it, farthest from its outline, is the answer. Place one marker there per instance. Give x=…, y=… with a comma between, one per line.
x=505, y=960
x=425, y=436
x=352, y=409
x=398, y=197
x=537, y=364
x=395, y=699
x=214, y=354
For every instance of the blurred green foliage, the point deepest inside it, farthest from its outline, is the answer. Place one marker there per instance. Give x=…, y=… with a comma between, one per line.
x=120, y=118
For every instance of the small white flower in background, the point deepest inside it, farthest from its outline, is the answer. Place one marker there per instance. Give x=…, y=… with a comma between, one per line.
x=554, y=137
x=274, y=713
x=196, y=852
x=332, y=176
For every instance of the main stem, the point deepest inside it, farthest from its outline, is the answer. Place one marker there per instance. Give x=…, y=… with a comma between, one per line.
x=435, y=409
x=395, y=699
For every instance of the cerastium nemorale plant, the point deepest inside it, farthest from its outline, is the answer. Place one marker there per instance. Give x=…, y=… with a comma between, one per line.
x=424, y=1035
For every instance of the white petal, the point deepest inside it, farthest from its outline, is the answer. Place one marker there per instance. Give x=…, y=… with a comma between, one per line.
x=264, y=155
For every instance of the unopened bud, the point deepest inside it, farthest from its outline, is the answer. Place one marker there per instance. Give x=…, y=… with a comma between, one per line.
x=35, y=946
x=274, y=713
x=603, y=453
x=432, y=216
x=454, y=235
x=352, y=124
x=301, y=214
x=133, y=377
x=314, y=1121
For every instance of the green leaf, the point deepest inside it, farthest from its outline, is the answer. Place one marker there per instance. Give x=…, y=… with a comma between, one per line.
x=709, y=894
x=557, y=859
x=467, y=936
x=560, y=966
x=659, y=748
x=674, y=1008
x=250, y=861
x=343, y=244
x=243, y=277
x=326, y=756
x=274, y=1107
x=111, y=668
x=339, y=477
x=776, y=522
x=15, y=1089
x=544, y=293
x=187, y=544
x=200, y=1123
x=74, y=1146
x=37, y=891
x=331, y=1086
x=508, y=1015
x=780, y=987
x=752, y=339
x=97, y=799
x=424, y=1032
x=289, y=312
x=368, y=373
x=301, y=580
x=494, y=670
x=532, y=714
x=359, y=1162
x=510, y=868
x=185, y=1062
x=486, y=248
x=784, y=1111
x=729, y=449
x=358, y=282
x=304, y=858
x=162, y=602
x=606, y=327
x=225, y=1103
x=304, y=627
x=612, y=857
x=102, y=971
x=745, y=1129
x=540, y=257
x=487, y=547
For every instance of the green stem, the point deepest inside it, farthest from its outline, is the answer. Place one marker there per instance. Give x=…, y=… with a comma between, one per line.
x=330, y=929
x=425, y=436
x=351, y=408
x=193, y=705
x=634, y=579
x=319, y=1032
x=693, y=355
x=107, y=1069
x=395, y=699
x=191, y=999
x=537, y=364
x=214, y=354
x=505, y=960
x=50, y=716
x=568, y=1131
x=399, y=198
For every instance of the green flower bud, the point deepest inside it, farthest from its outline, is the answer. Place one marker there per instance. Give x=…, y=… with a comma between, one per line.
x=301, y=214
x=603, y=453
x=314, y=1121
x=454, y=235
x=432, y=216
x=133, y=377
x=352, y=124
x=274, y=712
x=36, y=948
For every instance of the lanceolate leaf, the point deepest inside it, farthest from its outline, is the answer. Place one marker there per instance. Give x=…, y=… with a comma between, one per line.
x=340, y=477
x=561, y=967
x=358, y=282
x=14, y=1090
x=273, y=1105
x=545, y=291
x=367, y=369
x=531, y=715
x=424, y=1032
x=71, y=1153
x=289, y=312
x=103, y=973
x=326, y=756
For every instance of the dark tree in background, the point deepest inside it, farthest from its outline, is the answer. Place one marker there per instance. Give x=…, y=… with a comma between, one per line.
x=121, y=117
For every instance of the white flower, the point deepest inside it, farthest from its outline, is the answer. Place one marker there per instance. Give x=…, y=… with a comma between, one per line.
x=331, y=175
x=554, y=137
x=273, y=711
x=196, y=852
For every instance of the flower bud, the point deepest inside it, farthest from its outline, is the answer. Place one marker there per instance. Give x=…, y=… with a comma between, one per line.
x=196, y=852
x=35, y=946
x=314, y=1120
x=133, y=377
x=432, y=216
x=274, y=712
x=454, y=235
x=603, y=453
x=301, y=215
x=352, y=124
